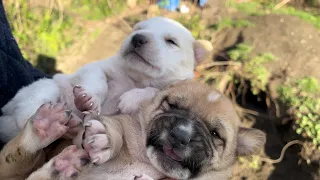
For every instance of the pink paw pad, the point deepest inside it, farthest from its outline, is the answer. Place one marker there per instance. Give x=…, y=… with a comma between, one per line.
x=50, y=121
x=69, y=162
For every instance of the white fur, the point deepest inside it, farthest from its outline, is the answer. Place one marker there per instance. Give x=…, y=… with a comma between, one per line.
x=107, y=80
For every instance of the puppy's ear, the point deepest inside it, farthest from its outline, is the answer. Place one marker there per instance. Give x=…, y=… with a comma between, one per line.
x=250, y=141
x=202, y=49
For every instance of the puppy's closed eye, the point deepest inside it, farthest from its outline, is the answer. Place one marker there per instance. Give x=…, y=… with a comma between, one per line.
x=218, y=141
x=171, y=41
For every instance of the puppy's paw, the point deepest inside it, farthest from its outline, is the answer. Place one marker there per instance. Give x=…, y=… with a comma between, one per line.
x=86, y=102
x=49, y=123
x=74, y=126
x=96, y=142
x=142, y=177
x=69, y=162
x=130, y=101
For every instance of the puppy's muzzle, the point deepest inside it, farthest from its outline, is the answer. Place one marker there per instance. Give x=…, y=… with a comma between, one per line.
x=179, y=136
x=138, y=40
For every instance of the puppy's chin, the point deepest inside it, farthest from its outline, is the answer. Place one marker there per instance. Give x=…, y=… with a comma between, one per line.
x=133, y=57
x=137, y=61
x=166, y=164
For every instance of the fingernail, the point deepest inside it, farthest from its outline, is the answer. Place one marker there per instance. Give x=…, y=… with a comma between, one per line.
x=77, y=86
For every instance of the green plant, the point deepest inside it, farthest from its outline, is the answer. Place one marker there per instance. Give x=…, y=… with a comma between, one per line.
x=240, y=53
x=250, y=8
x=253, y=68
x=303, y=97
x=98, y=9
x=164, y=3
x=257, y=7
x=40, y=31
x=230, y=23
x=192, y=23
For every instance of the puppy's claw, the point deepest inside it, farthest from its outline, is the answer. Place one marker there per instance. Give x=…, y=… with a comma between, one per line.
x=86, y=112
x=75, y=174
x=95, y=160
x=68, y=112
x=87, y=124
x=91, y=104
x=84, y=95
x=77, y=86
x=91, y=141
x=137, y=176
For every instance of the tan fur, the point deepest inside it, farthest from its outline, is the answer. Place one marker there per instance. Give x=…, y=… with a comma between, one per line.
x=128, y=134
x=16, y=162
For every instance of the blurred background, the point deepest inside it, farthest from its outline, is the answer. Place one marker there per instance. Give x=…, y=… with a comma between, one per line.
x=266, y=58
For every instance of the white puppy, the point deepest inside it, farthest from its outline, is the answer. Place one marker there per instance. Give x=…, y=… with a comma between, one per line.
x=158, y=52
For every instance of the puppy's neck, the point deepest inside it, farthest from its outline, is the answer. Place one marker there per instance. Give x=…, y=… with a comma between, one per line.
x=133, y=138
x=142, y=80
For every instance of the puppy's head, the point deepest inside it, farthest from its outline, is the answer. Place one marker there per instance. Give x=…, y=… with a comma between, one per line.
x=161, y=47
x=192, y=130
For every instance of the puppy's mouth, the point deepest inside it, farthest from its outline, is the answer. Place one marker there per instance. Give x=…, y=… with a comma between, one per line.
x=169, y=151
x=133, y=55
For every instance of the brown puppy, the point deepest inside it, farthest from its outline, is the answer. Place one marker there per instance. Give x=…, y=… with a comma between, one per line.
x=35, y=143
x=188, y=131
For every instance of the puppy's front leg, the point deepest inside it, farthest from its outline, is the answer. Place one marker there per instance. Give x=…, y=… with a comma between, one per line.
x=103, y=138
x=25, y=152
x=66, y=165
x=131, y=100
x=90, y=87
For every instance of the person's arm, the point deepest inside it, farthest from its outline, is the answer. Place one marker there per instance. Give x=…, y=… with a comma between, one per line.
x=15, y=71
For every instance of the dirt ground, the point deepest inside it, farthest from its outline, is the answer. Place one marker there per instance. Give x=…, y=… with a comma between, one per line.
x=296, y=48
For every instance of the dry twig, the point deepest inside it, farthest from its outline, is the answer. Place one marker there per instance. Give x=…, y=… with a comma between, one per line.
x=282, y=3
x=218, y=63
x=283, y=151
x=120, y=18
x=61, y=11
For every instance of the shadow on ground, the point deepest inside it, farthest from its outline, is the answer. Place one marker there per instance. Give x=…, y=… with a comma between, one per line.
x=47, y=64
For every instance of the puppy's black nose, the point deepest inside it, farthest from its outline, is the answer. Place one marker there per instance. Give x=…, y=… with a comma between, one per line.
x=138, y=40
x=180, y=135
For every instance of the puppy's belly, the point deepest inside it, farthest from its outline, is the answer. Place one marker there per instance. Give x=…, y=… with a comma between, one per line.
x=116, y=171
x=115, y=89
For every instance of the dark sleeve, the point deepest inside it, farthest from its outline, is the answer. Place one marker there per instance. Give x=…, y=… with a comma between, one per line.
x=15, y=71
